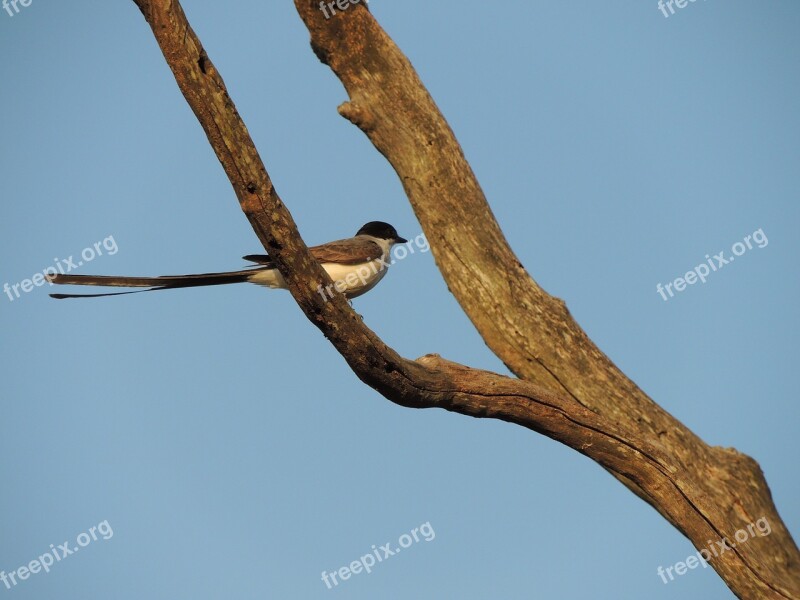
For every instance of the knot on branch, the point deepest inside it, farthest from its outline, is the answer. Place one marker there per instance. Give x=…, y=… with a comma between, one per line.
x=358, y=114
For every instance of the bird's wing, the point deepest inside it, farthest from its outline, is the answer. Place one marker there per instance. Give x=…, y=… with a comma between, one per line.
x=350, y=251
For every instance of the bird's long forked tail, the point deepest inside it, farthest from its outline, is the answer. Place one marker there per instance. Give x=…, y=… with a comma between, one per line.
x=167, y=282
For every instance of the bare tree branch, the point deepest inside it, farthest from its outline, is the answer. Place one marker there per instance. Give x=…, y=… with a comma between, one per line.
x=587, y=403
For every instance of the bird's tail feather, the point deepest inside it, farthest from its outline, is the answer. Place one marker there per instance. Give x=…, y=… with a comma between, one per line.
x=166, y=282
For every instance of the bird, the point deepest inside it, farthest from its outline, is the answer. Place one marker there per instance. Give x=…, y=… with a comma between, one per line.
x=355, y=265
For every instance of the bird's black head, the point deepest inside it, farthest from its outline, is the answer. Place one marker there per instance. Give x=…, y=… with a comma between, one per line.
x=382, y=231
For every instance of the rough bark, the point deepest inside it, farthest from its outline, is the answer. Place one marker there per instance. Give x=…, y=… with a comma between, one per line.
x=568, y=389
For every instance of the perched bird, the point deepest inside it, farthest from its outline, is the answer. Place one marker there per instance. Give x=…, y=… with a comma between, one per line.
x=354, y=264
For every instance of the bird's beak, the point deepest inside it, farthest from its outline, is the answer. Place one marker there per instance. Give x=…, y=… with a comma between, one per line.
x=399, y=240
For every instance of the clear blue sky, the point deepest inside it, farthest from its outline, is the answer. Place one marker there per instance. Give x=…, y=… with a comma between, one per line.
x=228, y=446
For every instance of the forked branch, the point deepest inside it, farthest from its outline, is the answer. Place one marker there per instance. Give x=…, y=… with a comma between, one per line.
x=581, y=399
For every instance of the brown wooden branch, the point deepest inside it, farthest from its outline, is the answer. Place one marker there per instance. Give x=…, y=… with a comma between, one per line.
x=580, y=399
